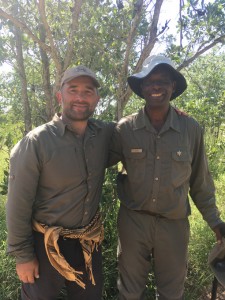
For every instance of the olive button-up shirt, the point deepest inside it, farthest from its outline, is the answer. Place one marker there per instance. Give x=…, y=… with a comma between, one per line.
x=55, y=178
x=163, y=168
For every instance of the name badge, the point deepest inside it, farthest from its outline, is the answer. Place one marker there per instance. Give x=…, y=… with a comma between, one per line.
x=136, y=150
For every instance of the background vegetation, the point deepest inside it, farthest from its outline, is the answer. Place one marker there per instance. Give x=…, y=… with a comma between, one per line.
x=40, y=39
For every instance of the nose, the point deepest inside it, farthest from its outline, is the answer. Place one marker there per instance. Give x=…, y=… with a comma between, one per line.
x=80, y=96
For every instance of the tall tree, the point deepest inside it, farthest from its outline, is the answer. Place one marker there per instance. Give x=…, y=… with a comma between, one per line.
x=112, y=38
x=21, y=72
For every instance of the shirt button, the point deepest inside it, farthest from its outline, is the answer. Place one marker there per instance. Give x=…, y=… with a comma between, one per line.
x=153, y=200
x=87, y=199
x=156, y=178
x=86, y=213
x=157, y=157
x=158, y=136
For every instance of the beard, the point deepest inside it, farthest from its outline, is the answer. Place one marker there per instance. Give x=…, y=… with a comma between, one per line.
x=73, y=115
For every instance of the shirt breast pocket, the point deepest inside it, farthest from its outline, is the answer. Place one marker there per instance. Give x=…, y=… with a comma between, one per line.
x=181, y=167
x=135, y=164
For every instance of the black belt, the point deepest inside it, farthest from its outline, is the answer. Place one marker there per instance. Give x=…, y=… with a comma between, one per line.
x=153, y=214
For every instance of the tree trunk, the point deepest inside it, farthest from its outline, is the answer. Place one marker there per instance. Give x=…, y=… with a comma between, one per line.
x=49, y=98
x=22, y=77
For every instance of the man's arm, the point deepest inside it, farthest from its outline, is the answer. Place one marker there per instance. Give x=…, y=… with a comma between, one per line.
x=115, y=148
x=202, y=189
x=23, y=180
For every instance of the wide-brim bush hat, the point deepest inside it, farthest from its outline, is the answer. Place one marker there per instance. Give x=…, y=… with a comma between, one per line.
x=216, y=260
x=78, y=71
x=148, y=66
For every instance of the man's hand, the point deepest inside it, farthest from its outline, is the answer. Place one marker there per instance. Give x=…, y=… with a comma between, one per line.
x=219, y=231
x=27, y=272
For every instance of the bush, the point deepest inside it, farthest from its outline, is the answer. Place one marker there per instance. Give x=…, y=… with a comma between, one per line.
x=10, y=285
x=202, y=239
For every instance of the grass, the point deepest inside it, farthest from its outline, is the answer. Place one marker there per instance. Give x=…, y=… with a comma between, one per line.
x=202, y=240
x=199, y=275
x=10, y=285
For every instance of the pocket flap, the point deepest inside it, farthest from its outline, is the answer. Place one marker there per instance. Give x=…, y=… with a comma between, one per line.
x=181, y=155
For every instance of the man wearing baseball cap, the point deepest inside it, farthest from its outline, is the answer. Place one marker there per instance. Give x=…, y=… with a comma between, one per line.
x=164, y=160
x=55, y=182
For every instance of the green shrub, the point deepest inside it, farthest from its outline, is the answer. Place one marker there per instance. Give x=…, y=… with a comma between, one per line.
x=202, y=239
x=9, y=282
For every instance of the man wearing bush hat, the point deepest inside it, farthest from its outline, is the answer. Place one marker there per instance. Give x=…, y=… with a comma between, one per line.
x=164, y=160
x=55, y=183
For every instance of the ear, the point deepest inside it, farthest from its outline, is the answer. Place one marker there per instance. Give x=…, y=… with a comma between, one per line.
x=98, y=98
x=59, y=97
x=174, y=86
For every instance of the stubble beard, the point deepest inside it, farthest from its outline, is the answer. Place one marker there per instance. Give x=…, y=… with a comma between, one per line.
x=72, y=115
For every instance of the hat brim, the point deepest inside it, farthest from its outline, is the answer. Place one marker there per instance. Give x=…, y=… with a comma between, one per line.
x=217, y=253
x=136, y=80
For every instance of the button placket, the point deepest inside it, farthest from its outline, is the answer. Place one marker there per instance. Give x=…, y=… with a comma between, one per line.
x=156, y=176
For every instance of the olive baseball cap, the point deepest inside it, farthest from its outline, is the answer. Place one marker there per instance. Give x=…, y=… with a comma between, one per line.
x=148, y=66
x=78, y=71
x=216, y=260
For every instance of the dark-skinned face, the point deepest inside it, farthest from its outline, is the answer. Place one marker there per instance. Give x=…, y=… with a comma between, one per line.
x=158, y=88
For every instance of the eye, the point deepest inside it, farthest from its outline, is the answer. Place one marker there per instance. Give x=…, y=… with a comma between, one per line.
x=89, y=92
x=72, y=90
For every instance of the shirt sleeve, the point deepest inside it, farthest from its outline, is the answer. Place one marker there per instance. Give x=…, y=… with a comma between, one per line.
x=202, y=189
x=23, y=180
x=115, y=149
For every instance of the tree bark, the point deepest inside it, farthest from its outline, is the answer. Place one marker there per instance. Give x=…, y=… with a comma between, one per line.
x=49, y=98
x=124, y=91
x=22, y=77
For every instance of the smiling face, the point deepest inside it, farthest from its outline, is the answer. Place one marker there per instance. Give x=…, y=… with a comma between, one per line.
x=158, y=88
x=78, y=98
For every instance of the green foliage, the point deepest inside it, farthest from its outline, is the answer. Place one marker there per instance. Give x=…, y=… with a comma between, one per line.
x=201, y=23
x=134, y=104
x=4, y=184
x=205, y=101
x=100, y=43
x=215, y=148
x=9, y=135
x=10, y=285
x=109, y=206
x=201, y=241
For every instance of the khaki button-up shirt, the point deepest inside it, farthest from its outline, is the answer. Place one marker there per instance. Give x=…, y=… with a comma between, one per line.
x=55, y=178
x=162, y=168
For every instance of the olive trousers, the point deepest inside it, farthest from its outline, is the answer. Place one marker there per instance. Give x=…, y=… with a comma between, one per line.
x=140, y=235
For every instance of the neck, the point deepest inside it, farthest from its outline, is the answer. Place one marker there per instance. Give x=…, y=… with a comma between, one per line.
x=78, y=127
x=157, y=116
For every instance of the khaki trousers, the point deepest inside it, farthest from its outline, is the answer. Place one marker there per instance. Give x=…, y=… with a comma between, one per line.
x=139, y=235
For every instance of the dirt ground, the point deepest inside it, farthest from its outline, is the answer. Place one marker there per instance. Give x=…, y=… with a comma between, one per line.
x=220, y=294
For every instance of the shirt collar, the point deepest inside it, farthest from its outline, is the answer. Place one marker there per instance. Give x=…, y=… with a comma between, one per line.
x=60, y=127
x=172, y=121
x=142, y=121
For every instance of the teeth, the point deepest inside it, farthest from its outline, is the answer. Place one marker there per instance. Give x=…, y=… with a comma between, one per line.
x=156, y=95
